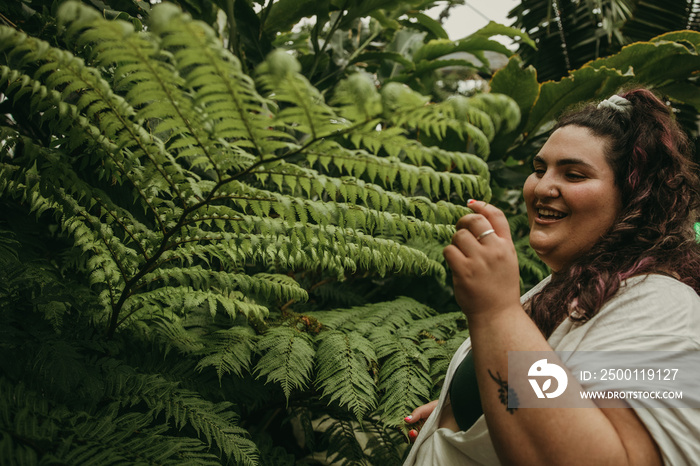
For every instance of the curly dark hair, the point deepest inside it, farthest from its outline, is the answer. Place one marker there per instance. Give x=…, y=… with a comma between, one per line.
x=651, y=158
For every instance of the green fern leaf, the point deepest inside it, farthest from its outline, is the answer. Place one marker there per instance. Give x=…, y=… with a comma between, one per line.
x=287, y=358
x=229, y=351
x=344, y=361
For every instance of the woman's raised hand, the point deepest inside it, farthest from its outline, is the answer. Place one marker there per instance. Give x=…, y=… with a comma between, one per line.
x=483, y=262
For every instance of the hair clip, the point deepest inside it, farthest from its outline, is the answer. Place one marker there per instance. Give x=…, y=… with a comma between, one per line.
x=617, y=103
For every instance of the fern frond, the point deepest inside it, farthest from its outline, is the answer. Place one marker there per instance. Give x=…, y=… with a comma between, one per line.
x=62, y=116
x=501, y=109
x=305, y=109
x=295, y=180
x=346, y=215
x=265, y=285
x=173, y=333
x=343, y=373
x=436, y=119
x=144, y=72
x=401, y=110
x=390, y=315
x=226, y=95
x=110, y=260
x=404, y=376
x=310, y=247
x=214, y=423
x=184, y=299
x=287, y=358
x=36, y=431
x=229, y=351
x=391, y=170
x=357, y=98
x=108, y=112
x=395, y=143
x=128, y=440
x=437, y=327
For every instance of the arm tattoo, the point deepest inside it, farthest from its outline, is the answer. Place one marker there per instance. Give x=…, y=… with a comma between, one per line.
x=505, y=393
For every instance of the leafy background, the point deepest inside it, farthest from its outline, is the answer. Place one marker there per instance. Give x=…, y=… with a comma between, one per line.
x=222, y=224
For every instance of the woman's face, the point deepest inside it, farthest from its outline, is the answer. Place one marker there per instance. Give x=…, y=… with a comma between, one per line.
x=571, y=197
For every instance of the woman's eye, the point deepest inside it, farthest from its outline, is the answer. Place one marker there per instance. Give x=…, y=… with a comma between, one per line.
x=575, y=176
x=538, y=171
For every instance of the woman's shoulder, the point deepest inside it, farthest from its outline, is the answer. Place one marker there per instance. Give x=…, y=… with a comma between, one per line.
x=656, y=308
x=659, y=289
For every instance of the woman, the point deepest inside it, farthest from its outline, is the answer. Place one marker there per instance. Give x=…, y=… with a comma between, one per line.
x=611, y=206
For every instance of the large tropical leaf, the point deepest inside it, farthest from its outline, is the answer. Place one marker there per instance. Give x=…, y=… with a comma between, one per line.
x=570, y=33
x=668, y=62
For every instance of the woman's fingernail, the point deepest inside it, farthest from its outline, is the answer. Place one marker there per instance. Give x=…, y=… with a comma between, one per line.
x=471, y=201
x=412, y=434
x=408, y=418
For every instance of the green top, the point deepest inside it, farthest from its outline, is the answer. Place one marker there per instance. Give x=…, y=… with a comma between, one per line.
x=464, y=394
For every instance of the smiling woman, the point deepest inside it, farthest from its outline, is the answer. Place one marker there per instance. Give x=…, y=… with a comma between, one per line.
x=611, y=206
x=658, y=193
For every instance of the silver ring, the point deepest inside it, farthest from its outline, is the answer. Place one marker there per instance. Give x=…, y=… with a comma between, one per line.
x=486, y=233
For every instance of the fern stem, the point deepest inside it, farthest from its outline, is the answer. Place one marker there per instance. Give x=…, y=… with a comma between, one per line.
x=5, y=19
x=286, y=305
x=151, y=265
x=321, y=283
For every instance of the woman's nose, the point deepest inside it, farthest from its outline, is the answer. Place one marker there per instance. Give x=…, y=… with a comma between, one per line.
x=547, y=187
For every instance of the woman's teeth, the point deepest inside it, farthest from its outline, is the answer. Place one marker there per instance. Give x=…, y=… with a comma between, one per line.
x=550, y=213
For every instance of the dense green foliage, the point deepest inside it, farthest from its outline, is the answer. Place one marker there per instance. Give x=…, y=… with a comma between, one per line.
x=207, y=230
x=220, y=241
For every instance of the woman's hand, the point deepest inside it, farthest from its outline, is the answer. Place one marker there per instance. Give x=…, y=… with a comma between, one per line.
x=419, y=415
x=484, y=265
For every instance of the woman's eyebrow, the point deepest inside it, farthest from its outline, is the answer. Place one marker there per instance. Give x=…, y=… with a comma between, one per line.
x=562, y=162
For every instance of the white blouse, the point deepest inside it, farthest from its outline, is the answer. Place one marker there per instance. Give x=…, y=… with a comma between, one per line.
x=649, y=313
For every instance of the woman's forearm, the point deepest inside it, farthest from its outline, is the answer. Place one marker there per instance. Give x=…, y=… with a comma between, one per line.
x=534, y=435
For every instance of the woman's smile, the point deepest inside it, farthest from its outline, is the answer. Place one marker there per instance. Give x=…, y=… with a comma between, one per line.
x=547, y=215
